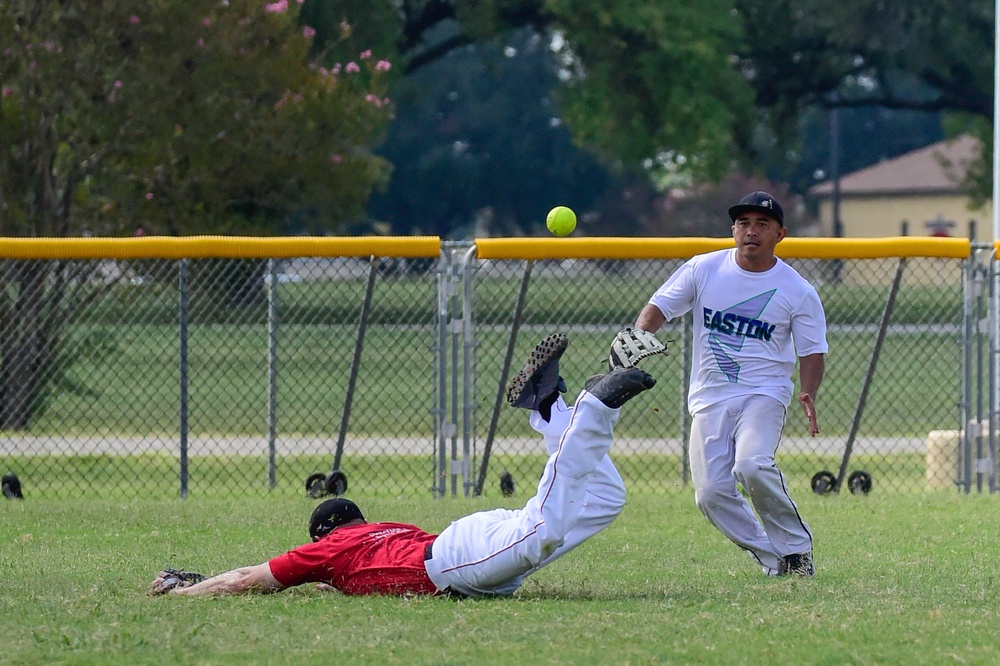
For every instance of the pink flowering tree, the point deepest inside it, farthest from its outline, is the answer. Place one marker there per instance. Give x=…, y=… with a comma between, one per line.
x=222, y=111
x=169, y=116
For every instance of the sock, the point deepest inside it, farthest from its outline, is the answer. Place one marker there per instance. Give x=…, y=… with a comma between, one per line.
x=545, y=406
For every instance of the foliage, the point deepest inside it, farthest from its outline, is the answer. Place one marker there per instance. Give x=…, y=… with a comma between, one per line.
x=170, y=116
x=478, y=147
x=978, y=174
x=679, y=91
x=923, y=55
x=865, y=135
x=650, y=85
x=495, y=91
x=179, y=117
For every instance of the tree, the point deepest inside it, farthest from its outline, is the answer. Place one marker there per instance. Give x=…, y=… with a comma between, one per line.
x=180, y=116
x=709, y=84
x=918, y=55
x=648, y=84
x=177, y=115
x=928, y=55
x=477, y=141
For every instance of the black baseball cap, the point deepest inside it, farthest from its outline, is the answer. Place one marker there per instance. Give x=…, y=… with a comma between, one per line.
x=761, y=202
x=331, y=514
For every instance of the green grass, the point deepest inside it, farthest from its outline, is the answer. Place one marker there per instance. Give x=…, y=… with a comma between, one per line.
x=391, y=476
x=583, y=300
x=903, y=579
x=120, y=367
x=133, y=386
x=134, y=393
x=217, y=477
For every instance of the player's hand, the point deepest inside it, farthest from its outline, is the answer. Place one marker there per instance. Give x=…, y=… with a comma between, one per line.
x=157, y=585
x=325, y=587
x=809, y=407
x=168, y=579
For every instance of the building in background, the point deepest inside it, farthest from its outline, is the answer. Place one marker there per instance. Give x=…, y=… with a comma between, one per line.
x=916, y=194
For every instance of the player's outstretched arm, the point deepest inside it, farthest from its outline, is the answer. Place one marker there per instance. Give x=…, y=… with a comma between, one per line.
x=811, y=369
x=257, y=578
x=631, y=345
x=650, y=319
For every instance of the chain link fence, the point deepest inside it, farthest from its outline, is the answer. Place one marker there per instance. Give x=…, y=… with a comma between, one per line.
x=142, y=369
x=218, y=375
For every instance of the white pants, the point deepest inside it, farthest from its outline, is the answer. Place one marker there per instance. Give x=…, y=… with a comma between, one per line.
x=580, y=493
x=736, y=440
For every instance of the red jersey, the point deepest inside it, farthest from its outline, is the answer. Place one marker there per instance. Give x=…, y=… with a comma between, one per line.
x=370, y=558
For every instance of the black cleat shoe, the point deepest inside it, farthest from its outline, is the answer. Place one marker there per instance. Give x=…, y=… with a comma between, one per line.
x=619, y=386
x=799, y=564
x=539, y=381
x=12, y=486
x=506, y=484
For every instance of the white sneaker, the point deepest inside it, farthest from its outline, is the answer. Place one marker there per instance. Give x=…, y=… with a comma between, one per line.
x=770, y=572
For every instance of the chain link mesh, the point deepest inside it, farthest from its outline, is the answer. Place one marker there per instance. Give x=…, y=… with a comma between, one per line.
x=253, y=388
x=160, y=377
x=914, y=388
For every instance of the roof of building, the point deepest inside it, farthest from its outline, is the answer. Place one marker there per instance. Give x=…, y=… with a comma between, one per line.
x=937, y=168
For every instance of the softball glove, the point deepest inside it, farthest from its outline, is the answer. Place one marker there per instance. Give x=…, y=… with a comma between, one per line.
x=631, y=345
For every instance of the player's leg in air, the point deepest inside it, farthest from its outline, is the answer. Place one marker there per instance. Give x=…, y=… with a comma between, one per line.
x=491, y=552
x=538, y=387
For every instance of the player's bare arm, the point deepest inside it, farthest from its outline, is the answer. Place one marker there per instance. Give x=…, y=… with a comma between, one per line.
x=257, y=578
x=811, y=369
x=650, y=318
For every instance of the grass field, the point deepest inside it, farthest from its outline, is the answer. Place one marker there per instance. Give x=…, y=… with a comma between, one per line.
x=585, y=299
x=122, y=371
x=133, y=387
x=133, y=393
x=903, y=579
x=392, y=476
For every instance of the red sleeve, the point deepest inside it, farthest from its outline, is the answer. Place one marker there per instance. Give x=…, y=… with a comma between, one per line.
x=309, y=563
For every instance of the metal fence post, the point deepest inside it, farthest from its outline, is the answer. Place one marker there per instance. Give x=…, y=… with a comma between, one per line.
x=980, y=279
x=359, y=343
x=965, y=447
x=183, y=352
x=440, y=402
x=272, y=371
x=468, y=370
x=994, y=318
x=455, y=328
x=515, y=327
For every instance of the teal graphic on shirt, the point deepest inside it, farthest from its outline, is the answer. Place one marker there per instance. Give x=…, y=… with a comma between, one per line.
x=729, y=329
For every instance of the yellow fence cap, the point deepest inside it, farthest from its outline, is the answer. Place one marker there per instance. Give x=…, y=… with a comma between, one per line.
x=231, y=247
x=685, y=248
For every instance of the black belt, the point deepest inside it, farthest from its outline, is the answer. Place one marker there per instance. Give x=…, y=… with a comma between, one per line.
x=447, y=592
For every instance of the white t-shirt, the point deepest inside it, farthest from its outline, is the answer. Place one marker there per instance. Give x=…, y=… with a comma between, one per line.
x=748, y=327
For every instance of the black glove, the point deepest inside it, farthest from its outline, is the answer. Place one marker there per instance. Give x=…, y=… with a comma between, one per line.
x=168, y=579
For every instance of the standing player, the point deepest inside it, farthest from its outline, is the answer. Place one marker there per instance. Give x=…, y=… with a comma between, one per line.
x=753, y=315
x=486, y=553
